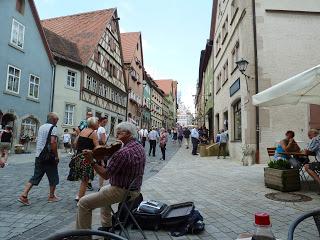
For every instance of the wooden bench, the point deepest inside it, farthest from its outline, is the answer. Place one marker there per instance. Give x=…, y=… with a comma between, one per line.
x=271, y=151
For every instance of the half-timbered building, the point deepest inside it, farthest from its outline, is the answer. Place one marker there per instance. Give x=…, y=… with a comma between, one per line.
x=89, y=73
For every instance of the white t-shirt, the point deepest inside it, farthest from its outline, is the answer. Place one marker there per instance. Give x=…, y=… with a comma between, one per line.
x=66, y=138
x=143, y=133
x=100, y=131
x=42, y=136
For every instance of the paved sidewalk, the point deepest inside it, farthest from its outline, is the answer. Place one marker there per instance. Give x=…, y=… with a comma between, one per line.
x=41, y=219
x=226, y=193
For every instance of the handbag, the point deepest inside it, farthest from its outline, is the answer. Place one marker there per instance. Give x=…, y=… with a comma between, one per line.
x=46, y=156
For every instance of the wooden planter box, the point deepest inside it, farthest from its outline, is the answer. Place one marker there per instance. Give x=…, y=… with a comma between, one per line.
x=282, y=180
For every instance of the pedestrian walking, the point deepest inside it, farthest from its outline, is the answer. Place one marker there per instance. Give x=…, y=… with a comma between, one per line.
x=186, y=135
x=180, y=135
x=102, y=139
x=80, y=168
x=73, y=140
x=223, y=143
x=5, y=145
x=47, y=136
x=67, y=140
x=153, y=136
x=101, y=132
x=218, y=137
x=163, y=143
x=82, y=125
x=195, y=140
x=143, y=134
x=174, y=135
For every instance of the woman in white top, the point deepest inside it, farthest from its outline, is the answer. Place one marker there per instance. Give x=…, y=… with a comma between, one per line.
x=102, y=138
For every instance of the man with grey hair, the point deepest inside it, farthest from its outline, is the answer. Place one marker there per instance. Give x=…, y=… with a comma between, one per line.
x=314, y=148
x=40, y=167
x=124, y=166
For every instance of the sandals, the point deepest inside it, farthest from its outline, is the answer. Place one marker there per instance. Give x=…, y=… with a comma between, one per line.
x=24, y=200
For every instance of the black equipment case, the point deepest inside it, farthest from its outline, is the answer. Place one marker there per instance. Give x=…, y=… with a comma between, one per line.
x=176, y=214
x=149, y=214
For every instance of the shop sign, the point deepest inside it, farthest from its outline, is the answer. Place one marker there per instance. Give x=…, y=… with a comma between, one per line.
x=235, y=87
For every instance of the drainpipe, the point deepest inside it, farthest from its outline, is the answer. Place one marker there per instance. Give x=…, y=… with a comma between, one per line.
x=53, y=85
x=254, y=24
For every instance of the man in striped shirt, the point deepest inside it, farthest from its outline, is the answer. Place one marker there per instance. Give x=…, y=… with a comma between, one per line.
x=124, y=166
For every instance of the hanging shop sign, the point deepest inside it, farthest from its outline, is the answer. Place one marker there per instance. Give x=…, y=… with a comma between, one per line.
x=235, y=87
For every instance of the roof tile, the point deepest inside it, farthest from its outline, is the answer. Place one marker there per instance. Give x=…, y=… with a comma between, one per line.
x=84, y=29
x=129, y=42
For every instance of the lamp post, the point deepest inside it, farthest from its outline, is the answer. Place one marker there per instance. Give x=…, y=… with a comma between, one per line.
x=242, y=66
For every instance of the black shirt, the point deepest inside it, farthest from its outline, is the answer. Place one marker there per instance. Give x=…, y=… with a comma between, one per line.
x=186, y=133
x=6, y=136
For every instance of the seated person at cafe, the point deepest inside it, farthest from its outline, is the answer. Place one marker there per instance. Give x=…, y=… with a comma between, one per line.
x=123, y=167
x=286, y=145
x=313, y=148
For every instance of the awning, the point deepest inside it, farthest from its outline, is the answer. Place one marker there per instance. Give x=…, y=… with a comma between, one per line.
x=302, y=88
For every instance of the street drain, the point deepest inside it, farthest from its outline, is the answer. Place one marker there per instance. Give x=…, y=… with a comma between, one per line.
x=154, y=170
x=288, y=197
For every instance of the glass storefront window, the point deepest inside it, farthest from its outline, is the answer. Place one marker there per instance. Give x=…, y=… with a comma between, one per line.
x=237, y=120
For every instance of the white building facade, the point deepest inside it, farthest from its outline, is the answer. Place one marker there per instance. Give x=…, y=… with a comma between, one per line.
x=278, y=39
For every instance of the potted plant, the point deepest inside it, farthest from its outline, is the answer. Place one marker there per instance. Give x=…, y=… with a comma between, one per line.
x=280, y=176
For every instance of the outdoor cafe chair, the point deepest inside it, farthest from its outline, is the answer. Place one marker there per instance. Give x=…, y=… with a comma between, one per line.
x=271, y=151
x=316, y=216
x=71, y=234
x=125, y=209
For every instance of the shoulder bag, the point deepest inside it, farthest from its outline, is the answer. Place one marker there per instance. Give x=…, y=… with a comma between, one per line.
x=46, y=156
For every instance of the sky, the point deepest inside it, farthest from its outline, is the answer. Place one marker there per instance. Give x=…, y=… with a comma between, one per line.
x=173, y=33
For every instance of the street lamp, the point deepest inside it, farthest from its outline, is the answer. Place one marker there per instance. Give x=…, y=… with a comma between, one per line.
x=242, y=66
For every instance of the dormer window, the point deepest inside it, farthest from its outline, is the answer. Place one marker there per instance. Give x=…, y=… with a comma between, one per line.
x=20, y=5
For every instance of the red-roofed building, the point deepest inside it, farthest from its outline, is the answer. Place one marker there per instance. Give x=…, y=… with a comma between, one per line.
x=89, y=74
x=169, y=87
x=133, y=62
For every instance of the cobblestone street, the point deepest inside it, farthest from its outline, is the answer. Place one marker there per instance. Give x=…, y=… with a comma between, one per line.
x=37, y=220
x=226, y=193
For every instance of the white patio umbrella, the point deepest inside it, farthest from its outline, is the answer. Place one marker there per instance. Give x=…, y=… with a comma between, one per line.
x=301, y=88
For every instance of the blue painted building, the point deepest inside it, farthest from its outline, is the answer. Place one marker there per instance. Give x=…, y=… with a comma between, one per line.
x=26, y=69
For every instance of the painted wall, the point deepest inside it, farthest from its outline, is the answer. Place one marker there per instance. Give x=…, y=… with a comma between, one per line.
x=33, y=59
x=64, y=94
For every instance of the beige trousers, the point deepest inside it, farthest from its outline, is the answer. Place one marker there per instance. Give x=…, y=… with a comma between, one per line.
x=187, y=141
x=103, y=199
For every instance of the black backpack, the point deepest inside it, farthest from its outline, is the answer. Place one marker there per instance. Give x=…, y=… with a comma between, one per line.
x=193, y=225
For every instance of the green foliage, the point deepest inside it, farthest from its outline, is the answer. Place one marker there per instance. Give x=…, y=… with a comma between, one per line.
x=279, y=164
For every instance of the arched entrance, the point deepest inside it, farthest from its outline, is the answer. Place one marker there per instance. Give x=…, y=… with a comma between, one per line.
x=28, y=132
x=8, y=119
